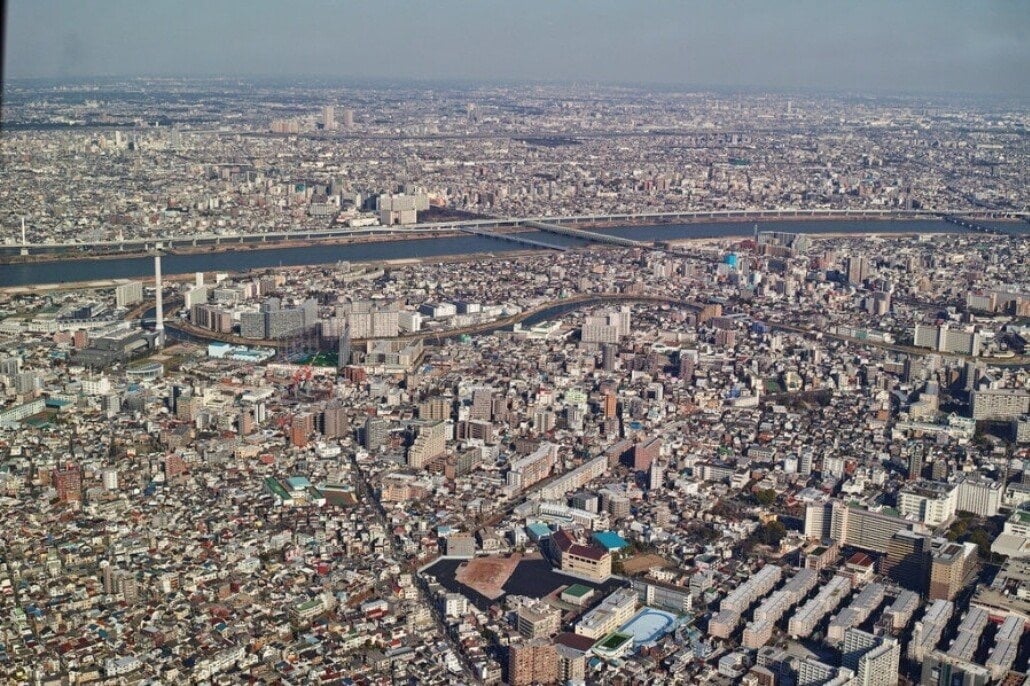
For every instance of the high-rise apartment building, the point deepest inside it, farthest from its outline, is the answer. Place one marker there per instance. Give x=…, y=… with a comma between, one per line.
x=328, y=118
x=532, y=662
x=375, y=432
x=128, y=294
x=999, y=403
x=951, y=567
x=430, y=442
x=873, y=659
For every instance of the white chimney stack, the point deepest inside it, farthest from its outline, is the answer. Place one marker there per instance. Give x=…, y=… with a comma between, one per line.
x=160, y=326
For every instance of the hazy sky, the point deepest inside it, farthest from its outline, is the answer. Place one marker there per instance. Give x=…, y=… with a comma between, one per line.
x=940, y=46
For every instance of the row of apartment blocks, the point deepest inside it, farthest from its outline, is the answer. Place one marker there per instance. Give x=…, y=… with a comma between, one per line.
x=811, y=613
x=927, y=632
x=759, y=631
x=734, y=605
x=861, y=606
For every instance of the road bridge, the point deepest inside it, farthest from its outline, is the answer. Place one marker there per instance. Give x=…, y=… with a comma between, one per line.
x=972, y=225
x=514, y=238
x=592, y=236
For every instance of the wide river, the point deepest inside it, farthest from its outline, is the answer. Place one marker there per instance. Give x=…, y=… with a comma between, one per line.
x=71, y=270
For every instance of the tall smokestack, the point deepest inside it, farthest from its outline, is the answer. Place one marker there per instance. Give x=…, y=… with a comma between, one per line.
x=24, y=241
x=160, y=327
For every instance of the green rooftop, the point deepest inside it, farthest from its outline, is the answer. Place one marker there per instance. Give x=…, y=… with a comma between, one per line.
x=613, y=641
x=577, y=590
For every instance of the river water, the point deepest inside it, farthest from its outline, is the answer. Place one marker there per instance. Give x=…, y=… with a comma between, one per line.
x=71, y=270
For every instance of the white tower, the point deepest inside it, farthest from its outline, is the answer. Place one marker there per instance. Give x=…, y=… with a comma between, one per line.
x=159, y=309
x=24, y=242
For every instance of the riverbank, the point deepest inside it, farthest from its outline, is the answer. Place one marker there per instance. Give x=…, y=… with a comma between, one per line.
x=231, y=244
x=73, y=273
x=188, y=277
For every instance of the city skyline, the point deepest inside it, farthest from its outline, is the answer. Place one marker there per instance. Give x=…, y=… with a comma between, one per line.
x=451, y=352
x=918, y=48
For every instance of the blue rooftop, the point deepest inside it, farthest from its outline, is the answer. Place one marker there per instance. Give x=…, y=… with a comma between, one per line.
x=538, y=530
x=610, y=540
